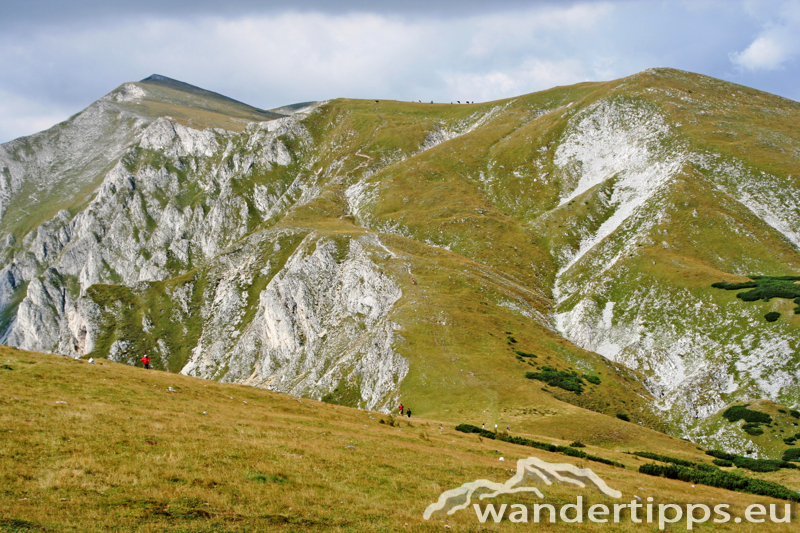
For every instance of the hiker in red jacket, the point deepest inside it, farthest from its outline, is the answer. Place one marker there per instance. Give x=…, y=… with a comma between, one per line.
x=146, y=362
x=401, y=409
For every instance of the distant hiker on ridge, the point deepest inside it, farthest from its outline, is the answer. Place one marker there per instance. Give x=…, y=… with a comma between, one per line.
x=401, y=409
x=146, y=362
x=408, y=412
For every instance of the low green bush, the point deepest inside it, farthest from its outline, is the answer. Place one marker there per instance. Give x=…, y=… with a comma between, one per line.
x=623, y=416
x=719, y=454
x=722, y=462
x=765, y=288
x=578, y=444
x=720, y=479
x=792, y=454
x=772, y=316
x=756, y=465
x=524, y=354
x=795, y=413
x=741, y=412
x=665, y=459
x=592, y=379
x=565, y=450
x=570, y=381
x=752, y=429
x=735, y=286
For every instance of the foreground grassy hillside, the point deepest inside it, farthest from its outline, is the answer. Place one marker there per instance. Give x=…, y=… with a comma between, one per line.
x=111, y=447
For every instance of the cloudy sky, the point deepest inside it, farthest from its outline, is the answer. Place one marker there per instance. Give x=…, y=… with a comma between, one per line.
x=58, y=56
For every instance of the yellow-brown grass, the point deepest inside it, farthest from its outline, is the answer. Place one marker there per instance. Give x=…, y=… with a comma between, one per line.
x=124, y=453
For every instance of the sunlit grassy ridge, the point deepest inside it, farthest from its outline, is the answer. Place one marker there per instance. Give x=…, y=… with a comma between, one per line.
x=111, y=447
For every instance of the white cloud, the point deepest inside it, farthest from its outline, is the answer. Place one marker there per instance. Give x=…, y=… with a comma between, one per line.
x=274, y=58
x=767, y=52
x=532, y=75
x=24, y=116
x=533, y=29
x=777, y=43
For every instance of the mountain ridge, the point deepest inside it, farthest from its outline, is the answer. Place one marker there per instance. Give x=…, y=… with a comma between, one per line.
x=364, y=251
x=193, y=89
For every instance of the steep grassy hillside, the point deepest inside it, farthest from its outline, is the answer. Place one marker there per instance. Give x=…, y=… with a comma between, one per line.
x=98, y=447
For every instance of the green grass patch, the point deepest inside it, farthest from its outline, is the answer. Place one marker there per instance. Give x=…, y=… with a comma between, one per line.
x=260, y=477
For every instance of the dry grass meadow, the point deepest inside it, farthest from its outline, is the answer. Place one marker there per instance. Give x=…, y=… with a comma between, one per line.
x=109, y=447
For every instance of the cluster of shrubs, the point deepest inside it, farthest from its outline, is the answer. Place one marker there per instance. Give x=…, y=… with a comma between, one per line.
x=565, y=450
x=792, y=454
x=720, y=479
x=765, y=288
x=594, y=380
x=752, y=429
x=752, y=418
x=793, y=412
x=567, y=380
x=741, y=412
x=756, y=465
x=524, y=354
x=666, y=459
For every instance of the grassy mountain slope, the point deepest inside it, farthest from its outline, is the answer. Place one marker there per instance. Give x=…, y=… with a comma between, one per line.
x=195, y=107
x=368, y=252
x=91, y=447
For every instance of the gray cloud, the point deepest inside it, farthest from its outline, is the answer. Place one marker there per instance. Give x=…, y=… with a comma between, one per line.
x=54, y=63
